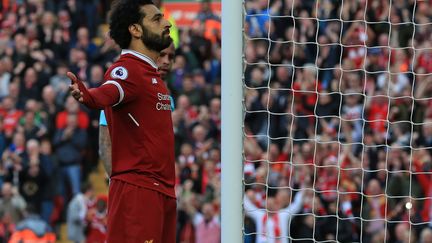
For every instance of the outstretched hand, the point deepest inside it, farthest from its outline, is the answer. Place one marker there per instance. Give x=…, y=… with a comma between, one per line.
x=74, y=87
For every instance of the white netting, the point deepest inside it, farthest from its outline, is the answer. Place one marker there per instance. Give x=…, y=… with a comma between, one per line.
x=338, y=121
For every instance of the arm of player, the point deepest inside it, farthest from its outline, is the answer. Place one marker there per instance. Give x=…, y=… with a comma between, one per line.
x=96, y=98
x=105, y=148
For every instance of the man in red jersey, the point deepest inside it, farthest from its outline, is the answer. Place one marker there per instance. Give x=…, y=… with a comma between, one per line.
x=164, y=63
x=142, y=206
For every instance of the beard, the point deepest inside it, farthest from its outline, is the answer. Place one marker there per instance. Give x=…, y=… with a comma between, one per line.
x=155, y=42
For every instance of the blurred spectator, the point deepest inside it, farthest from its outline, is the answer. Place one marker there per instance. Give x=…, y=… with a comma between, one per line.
x=279, y=214
x=207, y=225
x=189, y=89
x=72, y=107
x=69, y=143
x=210, y=21
x=10, y=115
x=76, y=214
x=97, y=221
x=426, y=235
x=60, y=83
x=7, y=227
x=11, y=203
x=257, y=19
x=33, y=229
x=30, y=86
x=49, y=109
x=2, y=137
x=36, y=179
x=5, y=76
x=334, y=226
x=31, y=126
x=84, y=43
x=12, y=158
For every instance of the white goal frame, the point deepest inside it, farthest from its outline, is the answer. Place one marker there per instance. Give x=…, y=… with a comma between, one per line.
x=232, y=122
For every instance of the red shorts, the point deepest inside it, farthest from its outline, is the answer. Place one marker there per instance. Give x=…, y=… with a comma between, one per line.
x=137, y=214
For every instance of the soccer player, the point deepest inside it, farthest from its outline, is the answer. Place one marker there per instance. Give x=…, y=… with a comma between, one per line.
x=164, y=63
x=142, y=205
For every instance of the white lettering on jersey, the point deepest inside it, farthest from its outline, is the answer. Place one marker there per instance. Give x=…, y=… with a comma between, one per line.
x=163, y=107
x=163, y=96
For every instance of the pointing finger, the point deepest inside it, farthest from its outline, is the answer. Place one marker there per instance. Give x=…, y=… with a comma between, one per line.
x=72, y=77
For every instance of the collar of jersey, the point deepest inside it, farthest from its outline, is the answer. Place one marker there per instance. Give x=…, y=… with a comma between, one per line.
x=140, y=56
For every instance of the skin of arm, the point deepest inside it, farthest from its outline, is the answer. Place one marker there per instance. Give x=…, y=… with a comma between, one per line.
x=105, y=149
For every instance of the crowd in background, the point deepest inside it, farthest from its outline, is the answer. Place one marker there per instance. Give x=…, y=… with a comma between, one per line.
x=338, y=106
x=48, y=141
x=338, y=119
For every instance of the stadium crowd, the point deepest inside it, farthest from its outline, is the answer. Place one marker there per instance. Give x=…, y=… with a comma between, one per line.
x=49, y=142
x=338, y=121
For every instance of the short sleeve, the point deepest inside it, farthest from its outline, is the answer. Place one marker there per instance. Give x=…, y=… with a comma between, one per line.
x=102, y=119
x=172, y=103
x=124, y=78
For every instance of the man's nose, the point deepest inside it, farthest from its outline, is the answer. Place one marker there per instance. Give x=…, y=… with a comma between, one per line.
x=167, y=24
x=165, y=61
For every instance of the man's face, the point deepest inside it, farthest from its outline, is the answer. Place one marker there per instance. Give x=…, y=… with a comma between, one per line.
x=155, y=29
x=165, y=61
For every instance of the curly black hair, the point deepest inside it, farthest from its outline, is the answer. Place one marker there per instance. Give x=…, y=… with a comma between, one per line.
x=123, y=14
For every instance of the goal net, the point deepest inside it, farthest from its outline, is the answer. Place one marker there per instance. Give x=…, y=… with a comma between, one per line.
x=337, y=121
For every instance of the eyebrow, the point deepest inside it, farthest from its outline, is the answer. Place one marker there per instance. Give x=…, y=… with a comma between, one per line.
x=158, y=15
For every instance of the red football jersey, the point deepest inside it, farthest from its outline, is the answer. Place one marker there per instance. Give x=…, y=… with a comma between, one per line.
x=140, y=124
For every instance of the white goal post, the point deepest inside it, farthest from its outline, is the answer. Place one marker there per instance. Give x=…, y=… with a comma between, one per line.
x=232, y=119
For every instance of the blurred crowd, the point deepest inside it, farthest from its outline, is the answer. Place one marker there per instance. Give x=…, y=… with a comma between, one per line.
x=338, y=112
x=338, y=120
x=49, y=142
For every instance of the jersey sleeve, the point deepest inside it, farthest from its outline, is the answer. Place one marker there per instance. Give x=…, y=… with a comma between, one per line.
x=98, y=98
x=102, y=119
x=125, y=78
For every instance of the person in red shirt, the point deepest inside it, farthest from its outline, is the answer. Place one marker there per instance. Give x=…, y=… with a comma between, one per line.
x=72, y=107
x=96, y=220
x=11, y=115
x=164, y=63
x=137, y=105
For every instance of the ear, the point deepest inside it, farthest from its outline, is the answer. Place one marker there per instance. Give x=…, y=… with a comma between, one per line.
x=135, y=30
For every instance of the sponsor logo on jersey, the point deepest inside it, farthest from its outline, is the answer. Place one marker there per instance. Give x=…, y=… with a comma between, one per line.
x=119, y=73
x=161, y=105
x=154, y=81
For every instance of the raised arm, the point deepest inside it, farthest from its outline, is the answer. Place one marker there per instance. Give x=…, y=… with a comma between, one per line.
x=297, y=205
x=97, y=98
x=249, y=207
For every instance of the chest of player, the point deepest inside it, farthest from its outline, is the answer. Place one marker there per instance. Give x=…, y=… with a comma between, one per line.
x=153, y=96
